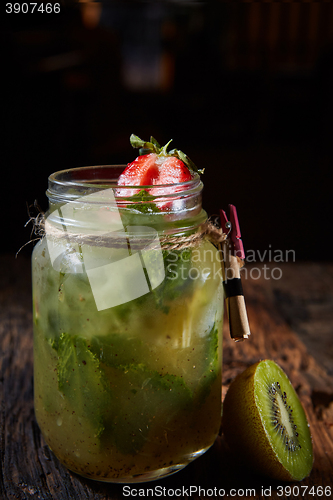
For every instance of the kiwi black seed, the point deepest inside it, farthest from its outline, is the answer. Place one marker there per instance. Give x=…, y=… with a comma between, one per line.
x=288, y=429
x=265, y=424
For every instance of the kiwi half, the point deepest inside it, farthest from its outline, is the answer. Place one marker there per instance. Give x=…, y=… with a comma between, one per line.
x=264, y=423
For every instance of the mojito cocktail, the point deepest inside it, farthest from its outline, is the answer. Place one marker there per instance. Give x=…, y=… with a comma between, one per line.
x=127, y=377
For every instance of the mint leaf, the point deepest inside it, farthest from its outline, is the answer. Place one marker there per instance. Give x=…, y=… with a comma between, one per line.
x=116, y=350
x=148, y=402
x=212, y=366
x=142, y=195
x=82, y=381
x=142, y=397
x=144, y=207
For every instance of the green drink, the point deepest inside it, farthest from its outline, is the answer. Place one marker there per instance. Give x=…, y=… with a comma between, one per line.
x=128, y=305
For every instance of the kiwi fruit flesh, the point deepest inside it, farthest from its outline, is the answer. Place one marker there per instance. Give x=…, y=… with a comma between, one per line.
x=265, y=425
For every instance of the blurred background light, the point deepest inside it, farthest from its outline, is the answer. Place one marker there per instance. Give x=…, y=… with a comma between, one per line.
x=245, y=89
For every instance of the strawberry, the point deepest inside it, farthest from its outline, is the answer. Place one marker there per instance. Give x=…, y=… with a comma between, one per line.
x=143, y=171
x=173, y=170
x=156, y=166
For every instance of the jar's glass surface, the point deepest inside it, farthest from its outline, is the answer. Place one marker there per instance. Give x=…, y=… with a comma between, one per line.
x=127, y=326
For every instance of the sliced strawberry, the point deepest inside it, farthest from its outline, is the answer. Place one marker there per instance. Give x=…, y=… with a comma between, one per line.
x=173, y=170
x=141, y=172
x=159, y=167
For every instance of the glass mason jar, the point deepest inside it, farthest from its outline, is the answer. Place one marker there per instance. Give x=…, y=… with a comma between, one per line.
x=127, y=309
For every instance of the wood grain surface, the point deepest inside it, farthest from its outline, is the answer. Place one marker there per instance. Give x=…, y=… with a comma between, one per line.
x=291, y=323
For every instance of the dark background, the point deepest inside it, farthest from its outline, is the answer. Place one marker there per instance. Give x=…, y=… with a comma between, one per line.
x=245, y=89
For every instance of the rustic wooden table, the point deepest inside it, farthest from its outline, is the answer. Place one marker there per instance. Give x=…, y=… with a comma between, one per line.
x=291, y=323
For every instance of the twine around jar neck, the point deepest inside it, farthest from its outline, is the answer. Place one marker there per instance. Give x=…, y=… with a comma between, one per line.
x=208, y=230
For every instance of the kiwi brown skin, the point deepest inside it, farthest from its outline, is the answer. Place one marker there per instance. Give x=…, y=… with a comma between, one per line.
x=244, y=431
